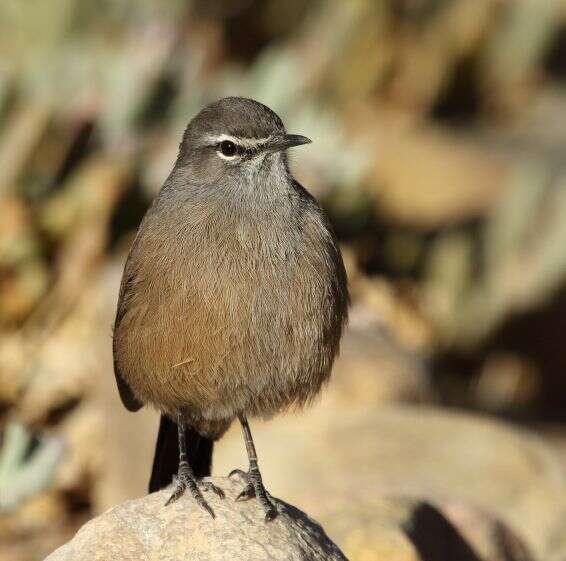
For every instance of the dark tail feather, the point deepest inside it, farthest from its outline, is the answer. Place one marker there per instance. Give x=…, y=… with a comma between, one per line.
x=166, y=460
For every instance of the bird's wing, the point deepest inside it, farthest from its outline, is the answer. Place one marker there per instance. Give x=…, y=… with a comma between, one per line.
x=128, y=399
x=126, y=394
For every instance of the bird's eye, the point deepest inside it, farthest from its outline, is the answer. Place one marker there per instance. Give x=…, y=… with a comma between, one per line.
x=228, y=148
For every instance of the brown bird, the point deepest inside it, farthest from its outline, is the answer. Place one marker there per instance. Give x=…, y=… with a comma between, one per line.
x=233, y=298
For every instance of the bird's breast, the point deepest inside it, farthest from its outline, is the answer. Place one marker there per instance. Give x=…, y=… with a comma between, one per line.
x=242, y=307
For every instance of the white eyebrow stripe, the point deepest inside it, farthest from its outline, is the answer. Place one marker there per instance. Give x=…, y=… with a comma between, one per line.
x=243, y=142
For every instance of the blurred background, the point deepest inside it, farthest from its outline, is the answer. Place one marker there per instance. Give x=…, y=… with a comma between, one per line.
x=439, y=132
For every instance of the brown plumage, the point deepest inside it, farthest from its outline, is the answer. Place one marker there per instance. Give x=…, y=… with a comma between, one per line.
x=233, y=298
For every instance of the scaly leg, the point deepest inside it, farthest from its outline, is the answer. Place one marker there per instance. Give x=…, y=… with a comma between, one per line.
x=254, y=484
x=186, y=478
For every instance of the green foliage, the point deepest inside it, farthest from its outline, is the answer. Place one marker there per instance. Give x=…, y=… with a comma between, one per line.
x=22, y=474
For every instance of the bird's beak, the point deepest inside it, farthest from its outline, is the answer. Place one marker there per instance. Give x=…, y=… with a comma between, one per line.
x=287, y=141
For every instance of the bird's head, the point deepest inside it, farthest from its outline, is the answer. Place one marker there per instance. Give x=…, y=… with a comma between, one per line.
x=235, y=139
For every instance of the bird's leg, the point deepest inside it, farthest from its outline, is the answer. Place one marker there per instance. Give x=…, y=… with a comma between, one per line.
x=186, y=478
x=254, y=484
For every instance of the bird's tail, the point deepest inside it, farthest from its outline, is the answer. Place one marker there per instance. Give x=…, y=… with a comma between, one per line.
x=166, y=460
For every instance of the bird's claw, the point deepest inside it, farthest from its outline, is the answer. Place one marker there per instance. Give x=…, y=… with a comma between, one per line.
x=208, y=486
x=185, y=480
x=247, y=493
x=271, y=514
x=254, y=488
x=240, y=473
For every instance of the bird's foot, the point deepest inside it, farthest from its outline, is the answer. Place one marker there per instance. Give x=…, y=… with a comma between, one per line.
x=254, y=488
x=184, y=480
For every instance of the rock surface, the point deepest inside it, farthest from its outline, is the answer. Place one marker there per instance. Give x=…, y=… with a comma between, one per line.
x=146, y=529
x=400, y=529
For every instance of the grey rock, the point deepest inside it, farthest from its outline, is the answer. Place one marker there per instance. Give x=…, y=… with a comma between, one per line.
x=145, y=529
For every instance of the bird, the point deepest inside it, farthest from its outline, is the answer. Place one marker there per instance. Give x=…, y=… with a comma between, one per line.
x=233, y=298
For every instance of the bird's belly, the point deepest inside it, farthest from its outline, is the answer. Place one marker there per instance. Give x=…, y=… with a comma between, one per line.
x=252, y=343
